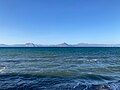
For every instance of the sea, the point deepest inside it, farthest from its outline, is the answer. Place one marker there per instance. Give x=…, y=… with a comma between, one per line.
x=60, y=68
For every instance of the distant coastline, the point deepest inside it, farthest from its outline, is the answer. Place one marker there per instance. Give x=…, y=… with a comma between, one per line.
x=61, y=45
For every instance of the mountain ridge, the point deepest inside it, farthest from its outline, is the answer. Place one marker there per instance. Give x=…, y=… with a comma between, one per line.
x=61, y=45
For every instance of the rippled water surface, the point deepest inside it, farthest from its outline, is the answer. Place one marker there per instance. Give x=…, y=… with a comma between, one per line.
x=60, y=68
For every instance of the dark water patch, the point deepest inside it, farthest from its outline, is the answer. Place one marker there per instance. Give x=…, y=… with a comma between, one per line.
x=115, y=69
x=96, y=77
x=96, y=57
x=97, y=70
x=27, y=82
x=86, y=77
x=46, y=56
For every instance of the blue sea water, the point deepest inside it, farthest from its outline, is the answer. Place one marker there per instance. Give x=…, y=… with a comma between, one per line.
x=60, y=68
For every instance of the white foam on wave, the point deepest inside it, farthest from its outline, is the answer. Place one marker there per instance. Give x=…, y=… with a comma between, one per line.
x=92, y=60
x=78, y=83
x=2, y=69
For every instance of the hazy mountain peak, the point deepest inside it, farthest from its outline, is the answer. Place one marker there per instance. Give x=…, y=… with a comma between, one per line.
x=30, y=45
x=63, y=45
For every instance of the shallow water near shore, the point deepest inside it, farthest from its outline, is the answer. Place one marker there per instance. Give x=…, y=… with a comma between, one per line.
x=60, y=68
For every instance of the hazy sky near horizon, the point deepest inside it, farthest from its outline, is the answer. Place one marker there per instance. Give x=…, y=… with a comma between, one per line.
x=57, y=21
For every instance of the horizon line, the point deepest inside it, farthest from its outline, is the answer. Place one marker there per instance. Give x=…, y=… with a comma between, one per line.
x=57, y=43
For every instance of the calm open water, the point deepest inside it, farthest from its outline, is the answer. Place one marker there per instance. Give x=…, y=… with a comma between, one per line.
x=60, y=68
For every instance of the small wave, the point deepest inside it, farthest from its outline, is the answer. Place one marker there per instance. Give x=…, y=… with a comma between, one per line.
x=2, y=69
x=92, y=60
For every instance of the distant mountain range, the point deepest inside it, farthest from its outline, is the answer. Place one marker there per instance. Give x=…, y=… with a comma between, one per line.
x=61, y=45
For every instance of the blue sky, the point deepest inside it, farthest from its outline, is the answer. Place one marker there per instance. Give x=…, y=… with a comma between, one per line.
x=57, y=21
